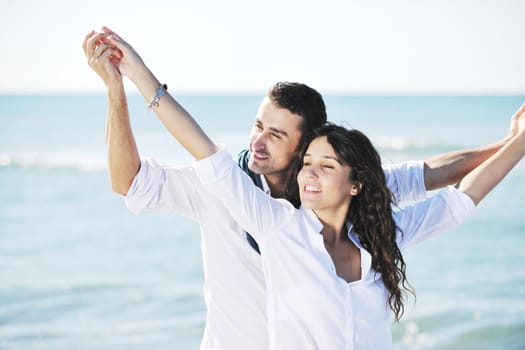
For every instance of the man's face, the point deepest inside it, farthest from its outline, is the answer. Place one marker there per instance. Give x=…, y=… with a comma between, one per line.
x=274, y=139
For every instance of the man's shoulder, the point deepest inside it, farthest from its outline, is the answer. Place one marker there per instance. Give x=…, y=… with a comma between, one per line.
x=243, y=158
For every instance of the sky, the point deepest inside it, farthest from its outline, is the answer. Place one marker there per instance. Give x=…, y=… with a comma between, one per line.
x=244, y=46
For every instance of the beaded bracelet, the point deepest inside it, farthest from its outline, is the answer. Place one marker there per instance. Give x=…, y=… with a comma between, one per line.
x=161, y=91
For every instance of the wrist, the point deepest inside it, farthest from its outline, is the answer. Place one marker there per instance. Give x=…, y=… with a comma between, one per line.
x=140, y=75
x=517, y=143
x=520, y=137
x=116, y=90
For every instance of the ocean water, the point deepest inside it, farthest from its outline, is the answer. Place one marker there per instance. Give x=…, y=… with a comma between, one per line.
x=78, y=271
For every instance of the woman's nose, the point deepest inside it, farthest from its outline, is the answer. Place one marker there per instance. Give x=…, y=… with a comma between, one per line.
x=311, y=172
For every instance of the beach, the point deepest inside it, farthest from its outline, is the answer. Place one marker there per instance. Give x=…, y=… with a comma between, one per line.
x=79, y=271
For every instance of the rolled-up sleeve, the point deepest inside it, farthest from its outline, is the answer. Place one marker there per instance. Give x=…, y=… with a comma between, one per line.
x=145, y=186
x=161, y=188
x=406, y=180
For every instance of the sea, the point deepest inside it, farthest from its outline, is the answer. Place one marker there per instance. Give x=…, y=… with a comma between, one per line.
x=79, y=271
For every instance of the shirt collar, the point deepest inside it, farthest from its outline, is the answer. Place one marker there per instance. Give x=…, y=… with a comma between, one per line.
x=265, y=186
x=366, y=258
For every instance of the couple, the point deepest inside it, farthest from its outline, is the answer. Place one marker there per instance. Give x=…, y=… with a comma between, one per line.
x=326, y=275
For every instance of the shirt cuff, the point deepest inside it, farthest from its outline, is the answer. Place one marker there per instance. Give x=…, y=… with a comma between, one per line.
x=419, y=169
x=149, y=174
x=406, y=180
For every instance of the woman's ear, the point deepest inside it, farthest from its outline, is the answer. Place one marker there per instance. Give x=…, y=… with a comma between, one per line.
x=356, y=188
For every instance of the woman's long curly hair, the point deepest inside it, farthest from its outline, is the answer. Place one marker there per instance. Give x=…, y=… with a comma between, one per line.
x=370, y=211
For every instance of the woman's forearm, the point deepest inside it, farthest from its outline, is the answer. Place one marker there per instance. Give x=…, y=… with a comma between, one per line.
x=480, y=181
x=175, y=118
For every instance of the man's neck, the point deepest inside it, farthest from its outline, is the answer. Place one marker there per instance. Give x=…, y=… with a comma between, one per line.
x=277, y=184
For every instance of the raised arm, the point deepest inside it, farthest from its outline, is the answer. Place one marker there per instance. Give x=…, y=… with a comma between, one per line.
x=479, y=182
x=174, y=117
x=448, y=168
x=123, y=155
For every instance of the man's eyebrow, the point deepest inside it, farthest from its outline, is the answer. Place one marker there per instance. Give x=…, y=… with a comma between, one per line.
x=272, y=128
x=279, y=131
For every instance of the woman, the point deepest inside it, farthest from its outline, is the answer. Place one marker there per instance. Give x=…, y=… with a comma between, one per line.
x=333, y=267
x=334, y=270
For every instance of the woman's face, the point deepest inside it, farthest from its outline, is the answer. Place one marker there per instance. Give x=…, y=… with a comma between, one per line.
x=324, y=181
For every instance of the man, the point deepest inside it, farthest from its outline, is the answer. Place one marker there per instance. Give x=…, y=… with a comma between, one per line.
x=234, y=282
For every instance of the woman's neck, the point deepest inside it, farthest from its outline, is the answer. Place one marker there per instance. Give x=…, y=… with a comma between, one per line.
x=344, y=254
x=333, y=226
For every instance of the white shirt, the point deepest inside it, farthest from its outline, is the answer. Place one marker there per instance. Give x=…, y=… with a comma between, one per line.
x=309, y=306
x=234, y=286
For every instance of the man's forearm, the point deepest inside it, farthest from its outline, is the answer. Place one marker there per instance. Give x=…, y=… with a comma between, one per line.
x=123, y=155
x=448, y=168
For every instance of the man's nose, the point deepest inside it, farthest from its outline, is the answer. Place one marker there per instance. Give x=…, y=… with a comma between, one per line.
x=260, y=141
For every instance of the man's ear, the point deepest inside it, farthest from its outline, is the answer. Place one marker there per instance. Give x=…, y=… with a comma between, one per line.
x=357, y=186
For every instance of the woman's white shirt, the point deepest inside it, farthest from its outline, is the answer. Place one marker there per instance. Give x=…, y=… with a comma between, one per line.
x=308, y=305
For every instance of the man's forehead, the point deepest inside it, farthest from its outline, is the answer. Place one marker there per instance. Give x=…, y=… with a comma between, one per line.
x=272, y=116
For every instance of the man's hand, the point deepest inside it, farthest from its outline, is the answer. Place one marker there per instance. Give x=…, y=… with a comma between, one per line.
x=103, y=57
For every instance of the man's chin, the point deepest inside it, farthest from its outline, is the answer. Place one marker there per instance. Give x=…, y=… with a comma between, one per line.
x=256, y=168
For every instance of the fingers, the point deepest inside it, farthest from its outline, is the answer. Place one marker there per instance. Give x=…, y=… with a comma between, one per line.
x=92, y=41
x=113, y=35
x=108, y=54
x=127, y=53
x=116, y=39
x=100, y=49
x=96, y=45
x=123, y=46
x=107, y=30
x=86, y=38
x=107, y=64
x=104, y=51
x=111, y=54
x=118, y=42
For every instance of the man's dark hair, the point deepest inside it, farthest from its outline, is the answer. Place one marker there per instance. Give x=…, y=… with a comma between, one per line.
x=302, y=100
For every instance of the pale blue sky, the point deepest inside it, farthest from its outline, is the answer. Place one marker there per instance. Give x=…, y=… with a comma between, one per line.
x=244, y=46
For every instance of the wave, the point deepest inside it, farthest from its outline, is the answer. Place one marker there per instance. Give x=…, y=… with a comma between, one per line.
x=87, y=162
x=416, y=145
x=53, y=161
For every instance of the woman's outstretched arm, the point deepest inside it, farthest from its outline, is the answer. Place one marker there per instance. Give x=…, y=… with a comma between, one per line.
x=174, y=117
x=480, y=181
